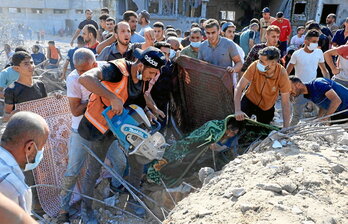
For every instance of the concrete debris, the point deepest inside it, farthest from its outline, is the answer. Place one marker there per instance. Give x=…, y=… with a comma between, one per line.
x=302, y=182
x=337, y=168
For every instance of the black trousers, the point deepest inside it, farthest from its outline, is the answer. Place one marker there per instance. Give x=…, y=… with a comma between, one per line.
x=263, y=116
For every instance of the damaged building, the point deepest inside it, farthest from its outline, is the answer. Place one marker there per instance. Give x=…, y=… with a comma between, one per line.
x=66, y=14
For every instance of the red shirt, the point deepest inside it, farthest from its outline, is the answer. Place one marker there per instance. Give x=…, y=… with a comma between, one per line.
x=93, y=47
x=343, y=51
x=285, y=29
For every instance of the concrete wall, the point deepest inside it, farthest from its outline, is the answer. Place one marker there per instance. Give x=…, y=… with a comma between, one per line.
x=244, y=10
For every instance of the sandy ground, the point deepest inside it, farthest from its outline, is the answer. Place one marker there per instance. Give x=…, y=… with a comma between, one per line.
x=304, y=180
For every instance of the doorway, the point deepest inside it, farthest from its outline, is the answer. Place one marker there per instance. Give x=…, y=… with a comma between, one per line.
x=327, y=9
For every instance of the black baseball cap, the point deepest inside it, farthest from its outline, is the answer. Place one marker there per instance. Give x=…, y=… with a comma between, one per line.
x=152, y=57
x=279, y=14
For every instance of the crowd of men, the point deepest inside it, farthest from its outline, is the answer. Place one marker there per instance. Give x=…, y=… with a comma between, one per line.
x=112, y=64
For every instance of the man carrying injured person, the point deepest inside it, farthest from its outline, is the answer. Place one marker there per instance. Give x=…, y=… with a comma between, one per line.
x=119, y=83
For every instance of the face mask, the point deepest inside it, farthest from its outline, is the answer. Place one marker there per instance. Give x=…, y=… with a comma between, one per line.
x=195, y=44
x=313, y=46
x=172, y=54
x=38, y=158
x=261, y=67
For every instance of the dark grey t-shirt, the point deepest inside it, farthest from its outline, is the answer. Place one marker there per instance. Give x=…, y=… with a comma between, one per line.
x=220, y=55
x=19, y=93
x=85, y=22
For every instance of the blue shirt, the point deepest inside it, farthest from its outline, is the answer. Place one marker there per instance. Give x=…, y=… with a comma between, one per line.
x=136, y=38
x=8, y=76
x=339, y=38
x=221, y=54
x=38, y=58
x=12, y=183
x=317, y=89
x=244, y=40
x=70, y=57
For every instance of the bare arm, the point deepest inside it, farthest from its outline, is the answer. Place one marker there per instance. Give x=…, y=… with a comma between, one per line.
x=90, y=80
x=329, y=60
x=8, y=111
x=2, y=96
x=48, y=53
x=324, y=71
x=150, y=103
x=335, y=101
x=322, y=112
x=105, y=43
x=149, y=39
x=289, y=68
x=237, y=63
x=12, y=213
x=243, y=82
x=77, y=32
x=60, y=56
x=251, y=43
x=77, y=108
x=65, y=68
x=285, y=97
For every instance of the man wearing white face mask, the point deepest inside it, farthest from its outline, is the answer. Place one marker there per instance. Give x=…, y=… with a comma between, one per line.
x=21, y=149
x=195, y=42
x=266, y=79
x=306, y=61
x=174, y=47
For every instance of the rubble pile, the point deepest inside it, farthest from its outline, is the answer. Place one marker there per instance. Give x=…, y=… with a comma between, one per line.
x=292, y=179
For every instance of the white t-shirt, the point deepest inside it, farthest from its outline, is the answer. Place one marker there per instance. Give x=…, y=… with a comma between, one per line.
x=76, y=90
x=297, y=41
x=343, y=66
x=306, y=64
x=242, y=56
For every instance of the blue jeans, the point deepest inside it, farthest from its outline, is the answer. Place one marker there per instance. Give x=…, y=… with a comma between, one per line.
x=77, y=157
x=118, y=160
x=101, y=148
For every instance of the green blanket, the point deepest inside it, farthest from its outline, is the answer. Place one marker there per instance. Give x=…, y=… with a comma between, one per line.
x=191, y=153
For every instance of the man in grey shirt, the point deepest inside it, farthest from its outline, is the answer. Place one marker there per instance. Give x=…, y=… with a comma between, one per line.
x=219, y=50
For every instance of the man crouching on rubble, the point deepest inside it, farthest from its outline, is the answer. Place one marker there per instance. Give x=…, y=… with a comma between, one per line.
x=266, y=78
x=123, y=83
x=330, y=96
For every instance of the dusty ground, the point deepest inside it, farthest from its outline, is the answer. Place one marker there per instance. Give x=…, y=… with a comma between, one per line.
x=305, y=181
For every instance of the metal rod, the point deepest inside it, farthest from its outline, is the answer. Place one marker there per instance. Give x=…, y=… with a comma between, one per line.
x=116, y=175
x=168, y=192
x=86, y=196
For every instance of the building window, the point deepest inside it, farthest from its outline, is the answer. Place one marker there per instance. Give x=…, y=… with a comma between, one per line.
x=37, y=11
x=79, y=11
x=14, y=10
x=59, y=11
x=299, y=8
x=228, y=15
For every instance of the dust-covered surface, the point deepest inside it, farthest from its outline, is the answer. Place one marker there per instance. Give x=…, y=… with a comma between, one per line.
x=305, y=180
